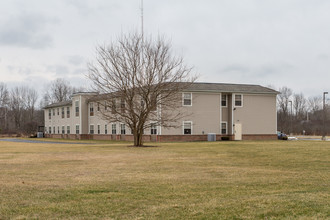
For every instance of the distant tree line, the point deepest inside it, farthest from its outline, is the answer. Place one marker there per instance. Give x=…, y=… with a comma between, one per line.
x=21, y=108
x=298, y=114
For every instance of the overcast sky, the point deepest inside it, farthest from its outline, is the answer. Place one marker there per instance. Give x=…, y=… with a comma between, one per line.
x=265, y=42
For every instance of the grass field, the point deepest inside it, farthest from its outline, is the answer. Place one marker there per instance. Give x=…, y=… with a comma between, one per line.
x=215, y=180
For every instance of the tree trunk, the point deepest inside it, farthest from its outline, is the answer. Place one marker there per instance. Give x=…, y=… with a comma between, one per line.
x=138, y=138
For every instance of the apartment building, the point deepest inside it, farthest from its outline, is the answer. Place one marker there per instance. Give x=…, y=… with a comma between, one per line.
x=234, y=111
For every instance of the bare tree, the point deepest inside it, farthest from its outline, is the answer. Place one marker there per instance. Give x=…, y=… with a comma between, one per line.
x=314, y=103
x=136, y=77
x=283, y=112
x=31, y=100
x=4, y=100
x=59, y=91
x=17, y=105
x=299, y=105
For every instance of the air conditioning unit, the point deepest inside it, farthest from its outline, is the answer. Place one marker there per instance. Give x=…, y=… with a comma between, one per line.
x=211, y=137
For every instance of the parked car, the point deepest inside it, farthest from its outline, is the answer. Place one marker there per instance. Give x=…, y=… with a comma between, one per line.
x=281, y=136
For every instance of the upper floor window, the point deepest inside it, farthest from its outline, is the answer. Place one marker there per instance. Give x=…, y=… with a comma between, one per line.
x=62, y=112
x=187, y=99
x=68, y=112
x=53, y=112
x=113, y=106
x=77, y=108
x=49, y=114
x=91, y=109
x=224, y=128
x=224, y=100
x=238, y=100
x=105, y=105
x=187, y=127
x=58, y=111
x=122, y=105
x=98, y=107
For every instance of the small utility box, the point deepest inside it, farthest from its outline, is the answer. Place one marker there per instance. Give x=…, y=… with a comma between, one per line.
x=40, y=134
x=211, y=137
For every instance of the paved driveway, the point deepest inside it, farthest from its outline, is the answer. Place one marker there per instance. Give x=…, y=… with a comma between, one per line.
x=38, y=141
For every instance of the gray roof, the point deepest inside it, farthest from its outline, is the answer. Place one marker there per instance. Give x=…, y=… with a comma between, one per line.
x=230, y=88
x=59, y=104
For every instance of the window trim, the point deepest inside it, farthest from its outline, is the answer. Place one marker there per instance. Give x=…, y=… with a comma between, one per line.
x=191, y=127
x=184, y=98
x=68, y=129
x=224, y=122
x=113, y=124
x=124, y=128
x=235, y=100
x=76, y=105
x=91, y=109
x=224, y=106
x=91, y=129
x=78, y=129
x=153, y=127
x=98, y=129
x=105, y=129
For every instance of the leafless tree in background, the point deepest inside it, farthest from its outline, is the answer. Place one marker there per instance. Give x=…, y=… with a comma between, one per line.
x=283, y=108
x=4, y=100
x=59, y=91
x=136, y=77
x=300, y=106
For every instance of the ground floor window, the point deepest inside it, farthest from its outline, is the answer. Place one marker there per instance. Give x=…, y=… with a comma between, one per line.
x=50, y=130
x=105, y=129
x=91, y=129
x=187, y=127
x=77, y=129
x=99, y=129
x=122, y=129
x=153, y=128
x=58, y=129
x=68, y=129
x=63, y=130
x=224, y=128
x=114, y=129
x=54, y=130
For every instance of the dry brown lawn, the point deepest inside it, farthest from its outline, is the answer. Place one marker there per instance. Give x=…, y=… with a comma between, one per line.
x=201, y=180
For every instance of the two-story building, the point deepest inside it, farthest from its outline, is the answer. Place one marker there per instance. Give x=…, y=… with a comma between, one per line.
x=236, y=111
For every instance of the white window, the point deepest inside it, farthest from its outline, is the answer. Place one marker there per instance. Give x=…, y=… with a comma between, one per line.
x=187, y=99
x=122, y=129
x=99, y=129
x=50, y=130
x=224, y=99
x=223, y=127
x=91, y=109
x=114, y=129
x=153, y=128
x=105, y=129
x=50, y=114
x=238, y=100
x=54, y=131
x=187, y=127
x=77, y=129
x=77, y=108
x=63, y=129
x=91, y=129
x=68, y=129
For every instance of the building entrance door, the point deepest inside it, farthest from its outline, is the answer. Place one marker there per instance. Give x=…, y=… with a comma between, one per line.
x=238, y=132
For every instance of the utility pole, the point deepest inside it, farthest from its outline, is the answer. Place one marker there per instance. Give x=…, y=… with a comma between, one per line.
x=291, y=119
x=324, y=117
